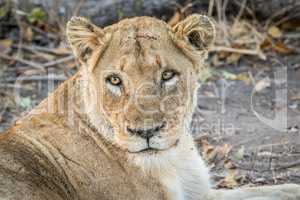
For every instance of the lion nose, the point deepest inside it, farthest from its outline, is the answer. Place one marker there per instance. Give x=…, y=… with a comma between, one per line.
x=146, y=133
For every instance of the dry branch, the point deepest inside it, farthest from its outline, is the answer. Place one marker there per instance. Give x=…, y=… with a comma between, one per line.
x=21, y=60
x=240, y=51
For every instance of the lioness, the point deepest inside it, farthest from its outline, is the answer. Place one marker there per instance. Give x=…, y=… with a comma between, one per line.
x=118, y=129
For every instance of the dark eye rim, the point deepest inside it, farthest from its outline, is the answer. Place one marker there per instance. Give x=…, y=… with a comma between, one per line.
x=174, y=73
x=108, y=79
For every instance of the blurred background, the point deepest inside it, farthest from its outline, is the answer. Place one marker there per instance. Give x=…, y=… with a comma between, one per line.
x=247, y=122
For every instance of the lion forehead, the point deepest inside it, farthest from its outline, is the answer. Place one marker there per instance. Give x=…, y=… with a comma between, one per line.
x=130, y=32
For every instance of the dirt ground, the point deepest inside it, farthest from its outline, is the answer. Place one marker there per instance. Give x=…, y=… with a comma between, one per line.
x=243, y=102
x=225, y=115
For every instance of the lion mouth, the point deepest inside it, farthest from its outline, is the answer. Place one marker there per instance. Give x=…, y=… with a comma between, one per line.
x=150, y=149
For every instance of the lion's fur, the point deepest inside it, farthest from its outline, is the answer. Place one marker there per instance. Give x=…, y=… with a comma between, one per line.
x=72, y=160
x=74, y=145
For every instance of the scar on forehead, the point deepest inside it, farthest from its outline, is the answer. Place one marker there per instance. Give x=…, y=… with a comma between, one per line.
x=147, y=36
x=144, y=35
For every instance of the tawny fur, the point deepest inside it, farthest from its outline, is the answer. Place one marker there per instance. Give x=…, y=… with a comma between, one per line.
x=74, y=145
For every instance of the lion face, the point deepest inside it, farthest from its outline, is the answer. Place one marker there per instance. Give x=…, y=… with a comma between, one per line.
x=141, y=77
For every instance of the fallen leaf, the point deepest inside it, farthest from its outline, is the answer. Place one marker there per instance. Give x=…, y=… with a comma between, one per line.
x=239, y=155
x=233, y=58
x=291, y=24
x=229, y=165
x=206, y=147
x=225, y=149
x=244, y=77
x=275, y=32
x=281, y=48
x=223, y=54
x=209, y=151
x=230, y=181
x=210, y=157
x=277, y=46
x=5, y=44
x=266, y=42
x=228, y=76
x=262, y=84
x=37, y=15
x=216, y=61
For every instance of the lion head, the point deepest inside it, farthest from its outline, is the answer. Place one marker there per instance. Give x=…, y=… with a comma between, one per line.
x=141, y=76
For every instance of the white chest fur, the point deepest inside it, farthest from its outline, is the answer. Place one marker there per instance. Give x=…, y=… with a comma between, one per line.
x=187, y=178
x=180, y=170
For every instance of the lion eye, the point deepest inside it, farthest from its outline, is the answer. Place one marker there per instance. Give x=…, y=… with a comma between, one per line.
x=167, y=75
x=114, y=80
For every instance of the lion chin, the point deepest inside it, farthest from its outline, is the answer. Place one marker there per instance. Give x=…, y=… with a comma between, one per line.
x=154, y=150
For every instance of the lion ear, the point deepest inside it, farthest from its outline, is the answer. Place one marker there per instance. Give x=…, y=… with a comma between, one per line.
x=197, y=30
x=84, y=37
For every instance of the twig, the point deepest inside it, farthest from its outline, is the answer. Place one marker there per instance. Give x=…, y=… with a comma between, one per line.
x=258, y=35
x=38, y=53
x=21, y=33
x=37, y=65
x=241, y=11
x=210, y=8
x=54, y=15
x=288, y=165
x=249, y=11
x=286, y=18
x=46, y=34
x=9, y=85
x=39, y=48
x=222, y=23
x=78, y=7
x=240, y=51
x=56, y=77
x=224, y=7
x=59, y=61
x=219, y=10
x=21, y=60
x=281, y=12
x=251, y=77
